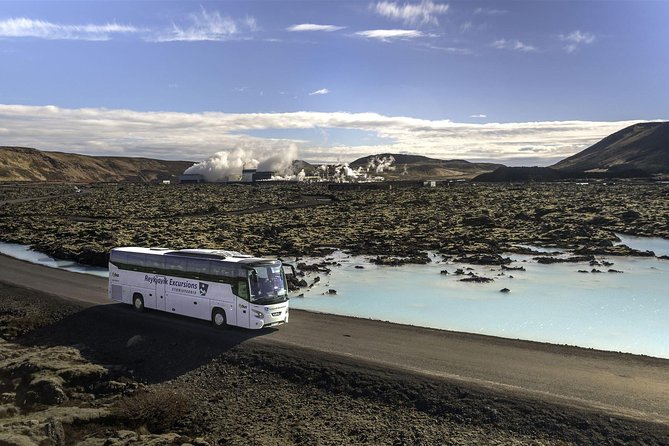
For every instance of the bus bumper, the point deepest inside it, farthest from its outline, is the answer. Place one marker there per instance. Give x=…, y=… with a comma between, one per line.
x=272, y=319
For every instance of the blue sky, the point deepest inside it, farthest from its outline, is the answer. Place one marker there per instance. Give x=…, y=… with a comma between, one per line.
x=516, y=82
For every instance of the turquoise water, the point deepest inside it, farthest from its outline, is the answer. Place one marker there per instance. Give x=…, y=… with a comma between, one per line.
x=659, y=246
x=24, y=252
x=549, y=303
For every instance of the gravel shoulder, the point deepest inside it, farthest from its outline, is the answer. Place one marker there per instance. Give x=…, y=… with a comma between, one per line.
x=233, y=388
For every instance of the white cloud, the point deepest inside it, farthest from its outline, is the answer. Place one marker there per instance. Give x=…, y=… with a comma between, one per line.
x=449, y=49
x=490, y=11
x=314, y=27
x=22, y=27
x=319, y=92
x=466, y=27
x=514, y=45
x=387, y=35
x=575, y=39
x=478, y=116
x=578, y=37
x=195, y=136
x=251, y=23
x=206, y=26
x=200, y=26
x=422, y=13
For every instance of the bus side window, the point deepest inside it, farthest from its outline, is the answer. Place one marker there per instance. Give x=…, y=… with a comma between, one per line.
x=155, y=264
x=175, y=266
x=118, y=258
x=221, y=273
x=136, y=261
x=199, y=268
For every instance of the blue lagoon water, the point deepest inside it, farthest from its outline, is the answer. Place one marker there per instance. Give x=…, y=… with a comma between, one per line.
x=23, y=252
x=548, y=303
x=555, y=303
x=659, y=246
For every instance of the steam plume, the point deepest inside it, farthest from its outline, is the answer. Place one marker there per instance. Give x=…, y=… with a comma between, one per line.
x=227, y=163
x=379, y=164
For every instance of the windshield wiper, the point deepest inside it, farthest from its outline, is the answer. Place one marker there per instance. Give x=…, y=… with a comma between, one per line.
x=271, y=299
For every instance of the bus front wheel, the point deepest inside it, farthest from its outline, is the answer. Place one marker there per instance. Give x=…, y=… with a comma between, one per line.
x=138, y=302
x=218, y=318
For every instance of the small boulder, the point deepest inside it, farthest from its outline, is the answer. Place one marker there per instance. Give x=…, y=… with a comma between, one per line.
x=135, y=340
x=513, y=268
x=471, y=277
x=8, y=410
x=54, y=431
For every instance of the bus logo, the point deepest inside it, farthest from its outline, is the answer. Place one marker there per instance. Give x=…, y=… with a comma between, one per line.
x=203, y=289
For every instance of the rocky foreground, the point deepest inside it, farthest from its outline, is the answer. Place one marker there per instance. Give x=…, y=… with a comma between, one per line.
x=106, y=375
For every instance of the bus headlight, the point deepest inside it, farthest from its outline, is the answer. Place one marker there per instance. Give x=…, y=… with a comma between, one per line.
x=258, y=314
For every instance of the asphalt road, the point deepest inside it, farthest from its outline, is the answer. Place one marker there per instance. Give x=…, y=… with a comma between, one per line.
x=621, y=384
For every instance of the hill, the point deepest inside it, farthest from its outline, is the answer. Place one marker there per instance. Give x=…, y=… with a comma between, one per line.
x=422, y=167
x=26, y=164
x=640, y=147
x=299, y=165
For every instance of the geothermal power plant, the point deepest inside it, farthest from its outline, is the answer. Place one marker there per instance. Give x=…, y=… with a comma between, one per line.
x=239, y=166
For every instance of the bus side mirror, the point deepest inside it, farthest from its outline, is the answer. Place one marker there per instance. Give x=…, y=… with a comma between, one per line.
x=292, y=269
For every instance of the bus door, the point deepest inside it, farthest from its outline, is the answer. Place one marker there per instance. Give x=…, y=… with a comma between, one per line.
x=243, y=313
x=242, y=299
x=161, y=290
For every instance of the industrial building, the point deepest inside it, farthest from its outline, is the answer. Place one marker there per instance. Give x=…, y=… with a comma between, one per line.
x=191, y=178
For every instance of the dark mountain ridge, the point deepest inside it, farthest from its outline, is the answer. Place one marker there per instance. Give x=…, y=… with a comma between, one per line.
x=418, y=166
x=643, y=147
x=27, y=164
x=638, y=151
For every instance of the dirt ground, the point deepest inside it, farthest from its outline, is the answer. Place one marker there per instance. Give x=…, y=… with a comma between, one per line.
x=166, y=386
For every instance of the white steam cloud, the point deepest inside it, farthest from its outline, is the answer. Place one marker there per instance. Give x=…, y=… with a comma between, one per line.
x=379, y=164
x=228, y=164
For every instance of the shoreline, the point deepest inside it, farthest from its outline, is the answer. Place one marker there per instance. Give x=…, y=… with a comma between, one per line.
x=548, y=345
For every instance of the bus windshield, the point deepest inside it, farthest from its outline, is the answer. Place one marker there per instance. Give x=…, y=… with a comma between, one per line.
x=268, y=284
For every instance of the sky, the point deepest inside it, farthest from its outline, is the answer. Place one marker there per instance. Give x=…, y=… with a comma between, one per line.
x=519, y=82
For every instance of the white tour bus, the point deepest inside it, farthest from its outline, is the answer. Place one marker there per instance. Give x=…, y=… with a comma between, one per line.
x=225, y=287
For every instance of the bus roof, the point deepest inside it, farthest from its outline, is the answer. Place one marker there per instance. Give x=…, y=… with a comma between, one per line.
x=213, y=254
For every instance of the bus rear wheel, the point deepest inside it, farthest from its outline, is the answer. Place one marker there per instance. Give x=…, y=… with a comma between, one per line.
x=138, y=302
x=218, y=318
